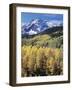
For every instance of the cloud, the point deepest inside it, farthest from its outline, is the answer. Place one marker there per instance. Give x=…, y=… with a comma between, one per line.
x=31, y=32
x=54, y=23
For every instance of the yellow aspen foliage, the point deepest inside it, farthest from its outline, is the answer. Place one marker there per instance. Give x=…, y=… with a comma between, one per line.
x=41, y=60
x=57, y=54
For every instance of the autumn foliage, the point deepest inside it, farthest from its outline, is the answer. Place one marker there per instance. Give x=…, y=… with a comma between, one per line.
x=41, y=61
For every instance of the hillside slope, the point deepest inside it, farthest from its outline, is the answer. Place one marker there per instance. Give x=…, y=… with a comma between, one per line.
x=52, y=37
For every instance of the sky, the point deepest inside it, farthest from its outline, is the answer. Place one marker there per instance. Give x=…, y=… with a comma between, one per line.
x=27, y=17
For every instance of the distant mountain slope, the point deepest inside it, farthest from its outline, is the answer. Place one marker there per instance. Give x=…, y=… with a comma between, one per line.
x=52, y=37
x=37, y=26
x=45, y=36
x=54, y=31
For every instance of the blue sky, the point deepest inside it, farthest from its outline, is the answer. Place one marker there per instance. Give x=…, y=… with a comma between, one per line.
x=27, y=17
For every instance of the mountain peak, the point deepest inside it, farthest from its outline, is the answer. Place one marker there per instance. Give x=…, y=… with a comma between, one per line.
x=38, y=25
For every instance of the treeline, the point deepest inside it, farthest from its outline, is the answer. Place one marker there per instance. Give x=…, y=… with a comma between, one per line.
x=41, y=61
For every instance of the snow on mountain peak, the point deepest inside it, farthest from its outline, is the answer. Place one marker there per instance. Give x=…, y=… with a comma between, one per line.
x=38, y=25
x=35, y=21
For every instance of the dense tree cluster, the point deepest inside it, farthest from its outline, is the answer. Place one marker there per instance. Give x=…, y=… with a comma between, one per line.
x=41, y=61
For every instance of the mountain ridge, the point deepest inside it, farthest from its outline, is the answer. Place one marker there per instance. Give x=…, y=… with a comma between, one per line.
x=37, y=26
x=55, y=31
